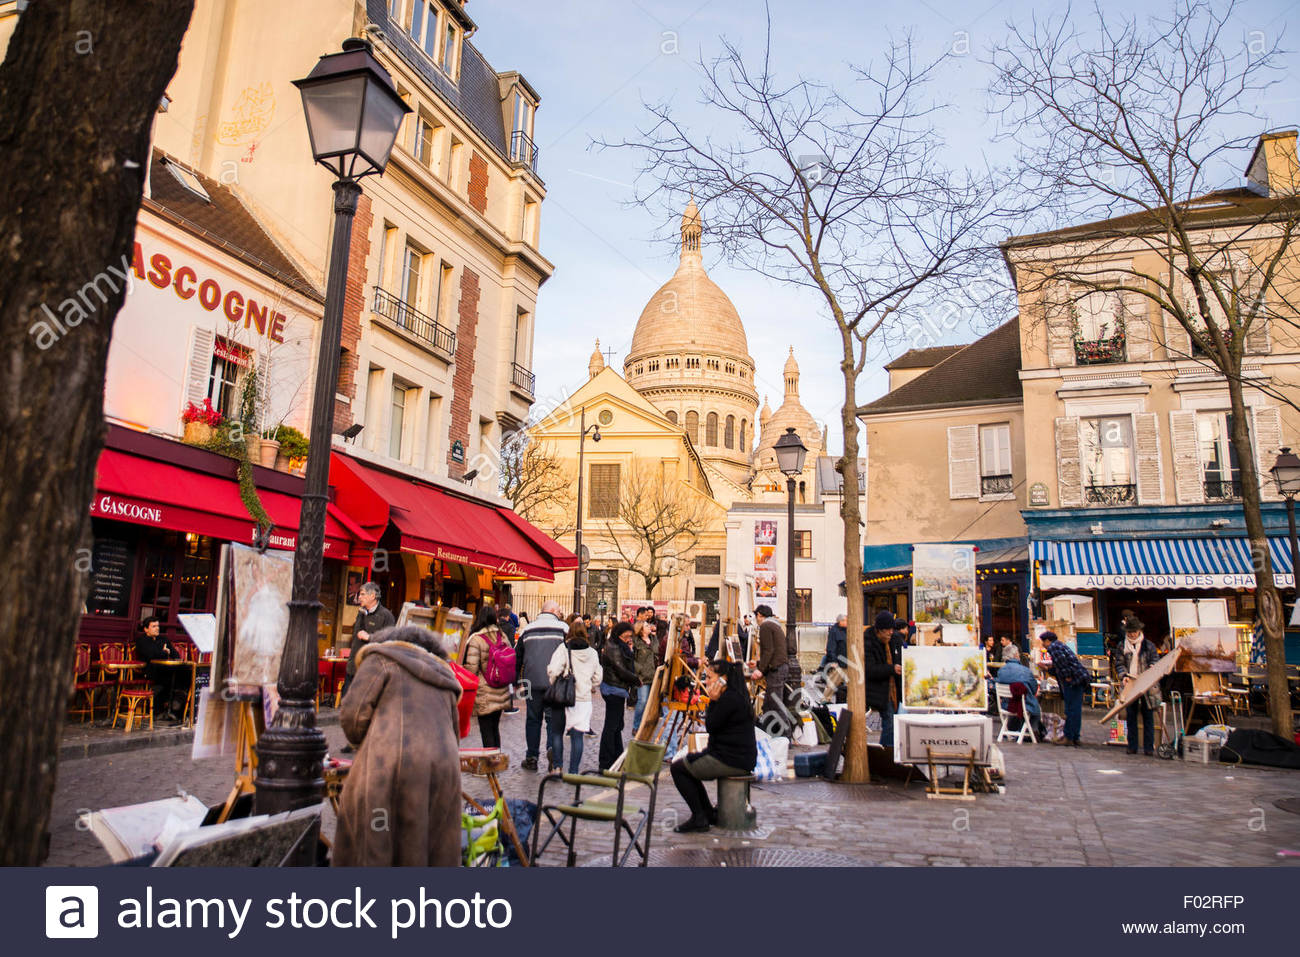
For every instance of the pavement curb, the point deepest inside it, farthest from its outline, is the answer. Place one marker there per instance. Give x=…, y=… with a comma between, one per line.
x=141, y=740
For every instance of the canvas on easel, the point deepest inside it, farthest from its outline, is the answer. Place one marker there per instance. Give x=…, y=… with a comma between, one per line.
x=262, y=583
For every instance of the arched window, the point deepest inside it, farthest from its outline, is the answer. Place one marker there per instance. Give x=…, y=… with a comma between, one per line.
x=672, y=416
x=693, y=427
x=711, y=429
x=729, y=433
x=803, y=492
x=744, y=447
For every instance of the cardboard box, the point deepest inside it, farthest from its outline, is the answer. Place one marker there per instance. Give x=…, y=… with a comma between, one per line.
x=1201, y=750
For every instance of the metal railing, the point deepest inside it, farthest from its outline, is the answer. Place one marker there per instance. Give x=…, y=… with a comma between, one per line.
x=1223, y=490
x=522, y=378
x=996, y=484
x=1097, y=351
x=409, y=319
x=523, y=151
x=1110, y=494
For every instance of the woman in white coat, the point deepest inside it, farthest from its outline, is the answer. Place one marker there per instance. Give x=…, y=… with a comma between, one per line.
x=577, y=657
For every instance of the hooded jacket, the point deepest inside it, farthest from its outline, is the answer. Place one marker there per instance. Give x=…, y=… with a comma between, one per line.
x=400, y=712
x=487, y=699
x=587, y=672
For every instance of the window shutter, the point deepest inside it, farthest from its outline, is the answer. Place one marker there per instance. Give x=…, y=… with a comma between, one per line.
x=604, y=491
x=1189, y=485
x=1257, y=338
x=264, y=363
x=1268, y=439
x=1137, y=329
x=963, y=461
x=1060, y=326
x=1150, y=484
x=196, y=383
x=1069, y=477
x=1178, y=344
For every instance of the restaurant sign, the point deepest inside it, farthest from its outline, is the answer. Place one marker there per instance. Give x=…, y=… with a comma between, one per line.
x=1167, y=581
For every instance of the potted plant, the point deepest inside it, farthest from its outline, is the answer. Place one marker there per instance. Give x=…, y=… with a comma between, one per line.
x=199, y=421
x=293, y=447
x=270, y=449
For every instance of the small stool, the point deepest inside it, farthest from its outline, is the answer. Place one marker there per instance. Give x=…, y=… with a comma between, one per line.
x=735, y=813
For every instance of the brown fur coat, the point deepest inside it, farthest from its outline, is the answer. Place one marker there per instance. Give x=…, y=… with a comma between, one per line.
x=401, y=802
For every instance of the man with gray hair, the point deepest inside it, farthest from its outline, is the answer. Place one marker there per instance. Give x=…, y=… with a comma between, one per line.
x=533, y=650
x=372, y=618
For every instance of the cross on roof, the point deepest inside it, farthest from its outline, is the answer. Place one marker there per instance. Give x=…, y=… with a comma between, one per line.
x=609, y=356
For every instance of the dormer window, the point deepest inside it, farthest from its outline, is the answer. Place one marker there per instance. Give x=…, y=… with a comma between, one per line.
x=189, y=181
x=450, y=49
x=432, y=28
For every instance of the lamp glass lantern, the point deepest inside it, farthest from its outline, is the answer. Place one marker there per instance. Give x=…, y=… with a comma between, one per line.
x=790, y=453
x=1286, y=473
x=353, y=111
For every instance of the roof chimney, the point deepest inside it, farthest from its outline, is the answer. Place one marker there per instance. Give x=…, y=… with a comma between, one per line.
x=1274, y=169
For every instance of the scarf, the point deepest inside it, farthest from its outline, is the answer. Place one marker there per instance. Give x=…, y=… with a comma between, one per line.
x=1133, y=651
x=893, y=685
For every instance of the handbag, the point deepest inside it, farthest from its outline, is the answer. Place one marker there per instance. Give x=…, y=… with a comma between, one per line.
x=563, y=691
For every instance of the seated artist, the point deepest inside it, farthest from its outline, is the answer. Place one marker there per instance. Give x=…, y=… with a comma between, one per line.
x=1013, y=672
x=152, y=646
x=732, y=750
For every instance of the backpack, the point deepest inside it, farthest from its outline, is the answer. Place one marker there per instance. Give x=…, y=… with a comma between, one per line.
x=499, y=665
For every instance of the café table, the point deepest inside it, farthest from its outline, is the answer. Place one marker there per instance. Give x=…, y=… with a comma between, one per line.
x=333, y=669
x=187, y=713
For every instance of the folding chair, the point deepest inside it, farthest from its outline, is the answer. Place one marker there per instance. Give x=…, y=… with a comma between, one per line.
x=642, y=764
x=1006, y=700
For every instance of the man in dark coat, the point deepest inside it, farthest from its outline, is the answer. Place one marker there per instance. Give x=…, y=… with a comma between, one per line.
x=372, y=618
x=772, y=666
x=151, y=646
x=400, y=805
x=897, y=643
x=880, y=671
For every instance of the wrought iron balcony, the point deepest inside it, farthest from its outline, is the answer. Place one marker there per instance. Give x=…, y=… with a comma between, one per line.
x=1223, y=490
x=409, y=319
x=1098, y=351
x=521, y=378
x=1110, y=494
x=523, y=151
x=996, y=485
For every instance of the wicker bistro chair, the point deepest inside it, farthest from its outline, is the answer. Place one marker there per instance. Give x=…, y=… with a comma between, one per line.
x=641, y=765
x=85, y=685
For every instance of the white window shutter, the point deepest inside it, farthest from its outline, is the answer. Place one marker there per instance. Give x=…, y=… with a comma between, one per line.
x=1150, y=476
x=1069, y=476
x=1189, y=485
x=196, y=382
x=1137, y=329
x=1178, y=344
x=265, y=362
x=1257, y=338
x=963, y=461
x=1058, y=315
x=1267, y=432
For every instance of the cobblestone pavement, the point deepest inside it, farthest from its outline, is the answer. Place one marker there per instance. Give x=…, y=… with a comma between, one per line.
x=1063, y=806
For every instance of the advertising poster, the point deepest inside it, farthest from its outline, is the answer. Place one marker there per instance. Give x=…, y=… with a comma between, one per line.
x=765, y=576
x=940, y=677
x=944, y=592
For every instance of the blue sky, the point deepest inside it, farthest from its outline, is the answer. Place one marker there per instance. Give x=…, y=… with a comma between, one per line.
x=595, y=63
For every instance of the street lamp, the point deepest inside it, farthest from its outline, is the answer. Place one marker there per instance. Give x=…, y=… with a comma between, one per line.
x=790, y=453
x=353, y=115
x=583, y=429
x=1286, y=474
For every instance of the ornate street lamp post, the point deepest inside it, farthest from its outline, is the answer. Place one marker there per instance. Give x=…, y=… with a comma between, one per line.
x=1286, y=473
x=353, y=115
x=790, y=453
x=583, y=429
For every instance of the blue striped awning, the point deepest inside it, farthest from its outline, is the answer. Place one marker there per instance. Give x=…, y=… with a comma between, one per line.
x=1156, y=563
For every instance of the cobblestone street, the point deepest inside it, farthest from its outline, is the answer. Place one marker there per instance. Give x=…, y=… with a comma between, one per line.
x=1092, y=806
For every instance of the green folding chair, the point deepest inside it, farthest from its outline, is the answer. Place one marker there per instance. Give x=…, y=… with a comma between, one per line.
x=641, y=765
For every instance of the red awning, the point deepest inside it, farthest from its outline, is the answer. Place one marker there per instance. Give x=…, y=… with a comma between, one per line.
x=145, y=491
x=450, y=527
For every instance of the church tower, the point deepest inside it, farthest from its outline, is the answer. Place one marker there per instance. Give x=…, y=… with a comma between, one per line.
x=690, y=357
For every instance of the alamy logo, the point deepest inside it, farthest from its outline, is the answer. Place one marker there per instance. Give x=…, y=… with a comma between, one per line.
x=71, y=911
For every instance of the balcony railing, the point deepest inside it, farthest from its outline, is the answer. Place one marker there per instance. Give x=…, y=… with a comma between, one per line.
x=523, y=151
x=996, y=485
x=409, y=319
x=1110, y=494
x=1223, y=490
x=1097, y=351
x=521, y=378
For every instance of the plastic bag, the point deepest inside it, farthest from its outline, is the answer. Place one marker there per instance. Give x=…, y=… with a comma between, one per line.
x=772, y=755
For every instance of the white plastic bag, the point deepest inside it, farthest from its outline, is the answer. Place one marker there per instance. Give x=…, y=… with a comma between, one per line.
x=807, y=732
x=772, y=755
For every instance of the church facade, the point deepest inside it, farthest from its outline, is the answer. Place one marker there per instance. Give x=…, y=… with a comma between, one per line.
x=681, y=436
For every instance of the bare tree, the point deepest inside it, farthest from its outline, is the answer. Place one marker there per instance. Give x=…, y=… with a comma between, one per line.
x=841, y=191
x=537, y=483
x=1140, y=119
x=78, y=90
x=662, y=522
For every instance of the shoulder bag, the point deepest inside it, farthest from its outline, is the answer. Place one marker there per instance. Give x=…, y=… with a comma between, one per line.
x=563, y=691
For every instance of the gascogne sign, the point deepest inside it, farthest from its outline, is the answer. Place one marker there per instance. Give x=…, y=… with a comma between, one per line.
x=1157, y=581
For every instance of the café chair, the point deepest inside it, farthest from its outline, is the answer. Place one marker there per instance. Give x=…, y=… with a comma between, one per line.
x=1011, y=705
x=642, y=764
x=85, y=686
x=133, y=699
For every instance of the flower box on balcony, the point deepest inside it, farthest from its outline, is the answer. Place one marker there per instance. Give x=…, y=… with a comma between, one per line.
x=1093, y=351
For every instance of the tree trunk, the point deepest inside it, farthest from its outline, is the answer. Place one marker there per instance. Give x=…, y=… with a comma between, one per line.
x=78, y=91
x=1267, y=600
x=856, y=770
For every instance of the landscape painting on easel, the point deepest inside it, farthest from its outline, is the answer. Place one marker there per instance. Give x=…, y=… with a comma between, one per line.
x=944, y=592
x=945, y=677
x=1207, y=649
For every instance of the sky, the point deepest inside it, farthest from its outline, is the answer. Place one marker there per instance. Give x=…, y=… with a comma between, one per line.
x=594, y=65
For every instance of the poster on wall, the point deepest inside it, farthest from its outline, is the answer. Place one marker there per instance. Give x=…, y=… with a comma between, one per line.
x=940, y=677
x=765, y=575
x=765, y=532
x=263, y=582
x=944, y=592
x=1207, y=649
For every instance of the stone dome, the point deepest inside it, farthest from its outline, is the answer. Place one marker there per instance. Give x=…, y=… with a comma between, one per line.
x=790, y=414
x=597, y=362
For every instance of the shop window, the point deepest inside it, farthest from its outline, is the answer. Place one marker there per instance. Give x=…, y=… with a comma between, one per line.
x=803, y=605
x=803, y=543
x=604, y=500
x=1005, y=608
x=112, y=566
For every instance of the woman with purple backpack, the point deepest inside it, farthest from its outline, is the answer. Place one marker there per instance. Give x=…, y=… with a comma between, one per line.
x=490, y=657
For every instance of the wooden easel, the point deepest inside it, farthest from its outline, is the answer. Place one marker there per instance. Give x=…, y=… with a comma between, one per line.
x=975, y=778
x=488, y=764
x=683, y=716
x=245, y=758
